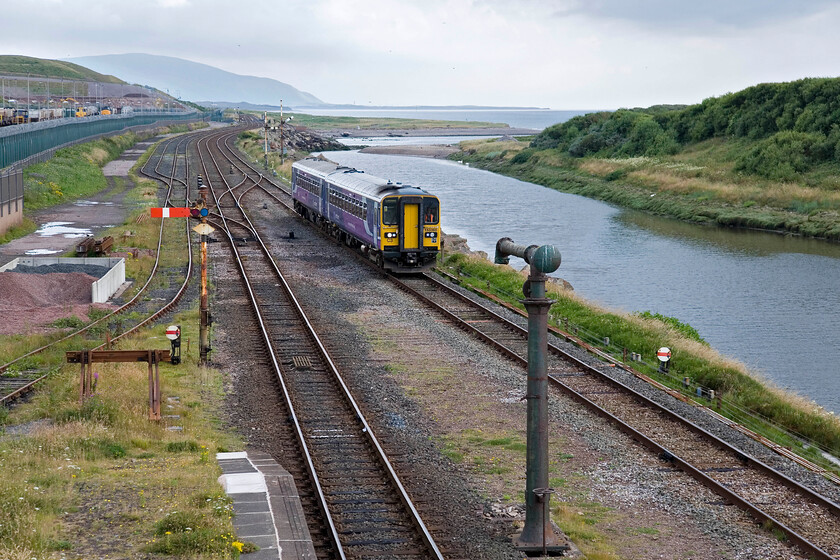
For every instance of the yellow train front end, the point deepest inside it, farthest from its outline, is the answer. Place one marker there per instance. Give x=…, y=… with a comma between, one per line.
x=410, y=232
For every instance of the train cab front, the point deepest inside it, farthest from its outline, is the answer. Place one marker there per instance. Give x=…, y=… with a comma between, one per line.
x=410, y=232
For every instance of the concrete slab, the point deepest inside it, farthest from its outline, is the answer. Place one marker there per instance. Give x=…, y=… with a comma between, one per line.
x=243, y=483
x=268, y=509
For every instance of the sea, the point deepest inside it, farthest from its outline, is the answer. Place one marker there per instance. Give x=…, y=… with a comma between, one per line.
x=535, y=119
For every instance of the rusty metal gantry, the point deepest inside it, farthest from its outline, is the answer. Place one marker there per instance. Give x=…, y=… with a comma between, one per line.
x=89, y=357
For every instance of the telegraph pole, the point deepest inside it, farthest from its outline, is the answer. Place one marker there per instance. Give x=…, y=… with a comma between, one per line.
x=281, y=132
x=282, y=122
x=265, y=138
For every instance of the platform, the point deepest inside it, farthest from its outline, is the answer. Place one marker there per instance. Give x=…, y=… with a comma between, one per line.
x=268, y=509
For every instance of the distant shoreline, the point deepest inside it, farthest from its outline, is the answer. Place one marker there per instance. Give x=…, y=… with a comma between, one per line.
x=436, y=151
x=442, y=131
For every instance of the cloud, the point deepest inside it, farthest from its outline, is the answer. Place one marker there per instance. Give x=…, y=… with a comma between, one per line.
x=557, y=53
x=699, y=16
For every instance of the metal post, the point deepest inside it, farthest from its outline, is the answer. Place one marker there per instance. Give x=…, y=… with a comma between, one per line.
x=265, y=134
x=204, y=312
x=281, y=133
x=537, y=534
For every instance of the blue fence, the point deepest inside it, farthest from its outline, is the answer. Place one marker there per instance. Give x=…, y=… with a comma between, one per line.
x=19, y=142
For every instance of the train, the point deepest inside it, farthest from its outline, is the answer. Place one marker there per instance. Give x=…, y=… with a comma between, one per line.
x=395, y=225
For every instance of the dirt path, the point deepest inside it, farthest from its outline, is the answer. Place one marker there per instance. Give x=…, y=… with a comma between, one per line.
x=61, y=227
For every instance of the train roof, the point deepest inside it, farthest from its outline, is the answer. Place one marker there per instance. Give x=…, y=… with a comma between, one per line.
x=355, y=180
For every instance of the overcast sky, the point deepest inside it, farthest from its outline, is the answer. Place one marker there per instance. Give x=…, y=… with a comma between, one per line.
x=562, y=54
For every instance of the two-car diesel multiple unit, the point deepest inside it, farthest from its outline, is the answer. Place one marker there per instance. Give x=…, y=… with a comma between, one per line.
x=395, y=225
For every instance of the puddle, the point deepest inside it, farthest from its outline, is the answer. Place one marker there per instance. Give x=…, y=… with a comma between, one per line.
x=91, y=203
x=33, y=252
x=51, y=229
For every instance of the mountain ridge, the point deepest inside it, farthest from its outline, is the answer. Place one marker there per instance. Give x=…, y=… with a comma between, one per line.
x=193, y=80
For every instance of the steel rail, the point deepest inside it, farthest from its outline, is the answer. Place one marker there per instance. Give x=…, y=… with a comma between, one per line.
x=99, y=321
x=381, y=455
x=188, y=275
x=781, y=450
x=278, y=371
x=719, y=488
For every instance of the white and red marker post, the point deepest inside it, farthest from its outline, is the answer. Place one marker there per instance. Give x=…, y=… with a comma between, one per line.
x=664, y=357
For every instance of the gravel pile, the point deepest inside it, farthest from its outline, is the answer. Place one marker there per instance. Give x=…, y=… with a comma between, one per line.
x=93, y=270
x=29, y=302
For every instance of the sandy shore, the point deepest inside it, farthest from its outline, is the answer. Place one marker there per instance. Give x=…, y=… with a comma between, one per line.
x=444, y=131
x=431, y=151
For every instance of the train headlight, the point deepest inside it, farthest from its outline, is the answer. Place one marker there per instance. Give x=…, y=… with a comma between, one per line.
x=431, y=234
x=390, y=235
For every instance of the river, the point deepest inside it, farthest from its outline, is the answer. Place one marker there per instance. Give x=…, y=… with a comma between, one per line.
x=536, y=119
x=767, y=300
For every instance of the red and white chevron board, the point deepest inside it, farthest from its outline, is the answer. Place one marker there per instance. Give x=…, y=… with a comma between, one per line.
x=170, y=212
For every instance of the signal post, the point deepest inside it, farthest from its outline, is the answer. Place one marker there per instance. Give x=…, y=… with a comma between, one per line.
x=198, y=211
x=203, y=229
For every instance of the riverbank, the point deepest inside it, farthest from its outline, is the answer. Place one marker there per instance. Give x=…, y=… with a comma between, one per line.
x=698, y=190
x=432, y=151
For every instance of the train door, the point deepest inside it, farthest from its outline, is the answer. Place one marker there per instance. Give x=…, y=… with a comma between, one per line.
x=324, y=198
x=410, y=223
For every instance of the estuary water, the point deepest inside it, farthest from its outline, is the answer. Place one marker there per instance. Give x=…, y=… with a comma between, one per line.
x=537, y=119
x=770, y=301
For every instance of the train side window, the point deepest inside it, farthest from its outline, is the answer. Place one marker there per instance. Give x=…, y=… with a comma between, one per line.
x=389, y=212
x=430, y=211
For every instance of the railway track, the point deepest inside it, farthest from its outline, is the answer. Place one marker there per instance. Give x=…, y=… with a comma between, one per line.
x=363, y=510
x=163, y=166
x=802, y=516
x=807, y=519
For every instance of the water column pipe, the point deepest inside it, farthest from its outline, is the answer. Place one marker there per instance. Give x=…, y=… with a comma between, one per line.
x=538, y=533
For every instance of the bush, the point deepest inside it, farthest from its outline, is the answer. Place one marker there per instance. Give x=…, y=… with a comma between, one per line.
x=523, y=156
x=784, y=155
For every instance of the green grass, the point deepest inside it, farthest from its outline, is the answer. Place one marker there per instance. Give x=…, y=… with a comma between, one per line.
x=23, y=65
x=24, y=228
x=784, y=418
x=72, y=173
x=93, y=446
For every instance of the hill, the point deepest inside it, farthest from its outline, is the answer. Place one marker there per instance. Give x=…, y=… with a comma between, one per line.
x=38, y=67
x=195, y=81
x=766, y=157
x=796, y=125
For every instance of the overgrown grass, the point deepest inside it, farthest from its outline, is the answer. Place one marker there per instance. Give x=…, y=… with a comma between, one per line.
x=251, y=144
x=26, y=227
x=104, y=463
x=784, y=417
x=72, y=172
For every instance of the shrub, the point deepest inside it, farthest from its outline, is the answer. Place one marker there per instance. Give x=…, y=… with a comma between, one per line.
x=783, y=155
x=523, y=156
